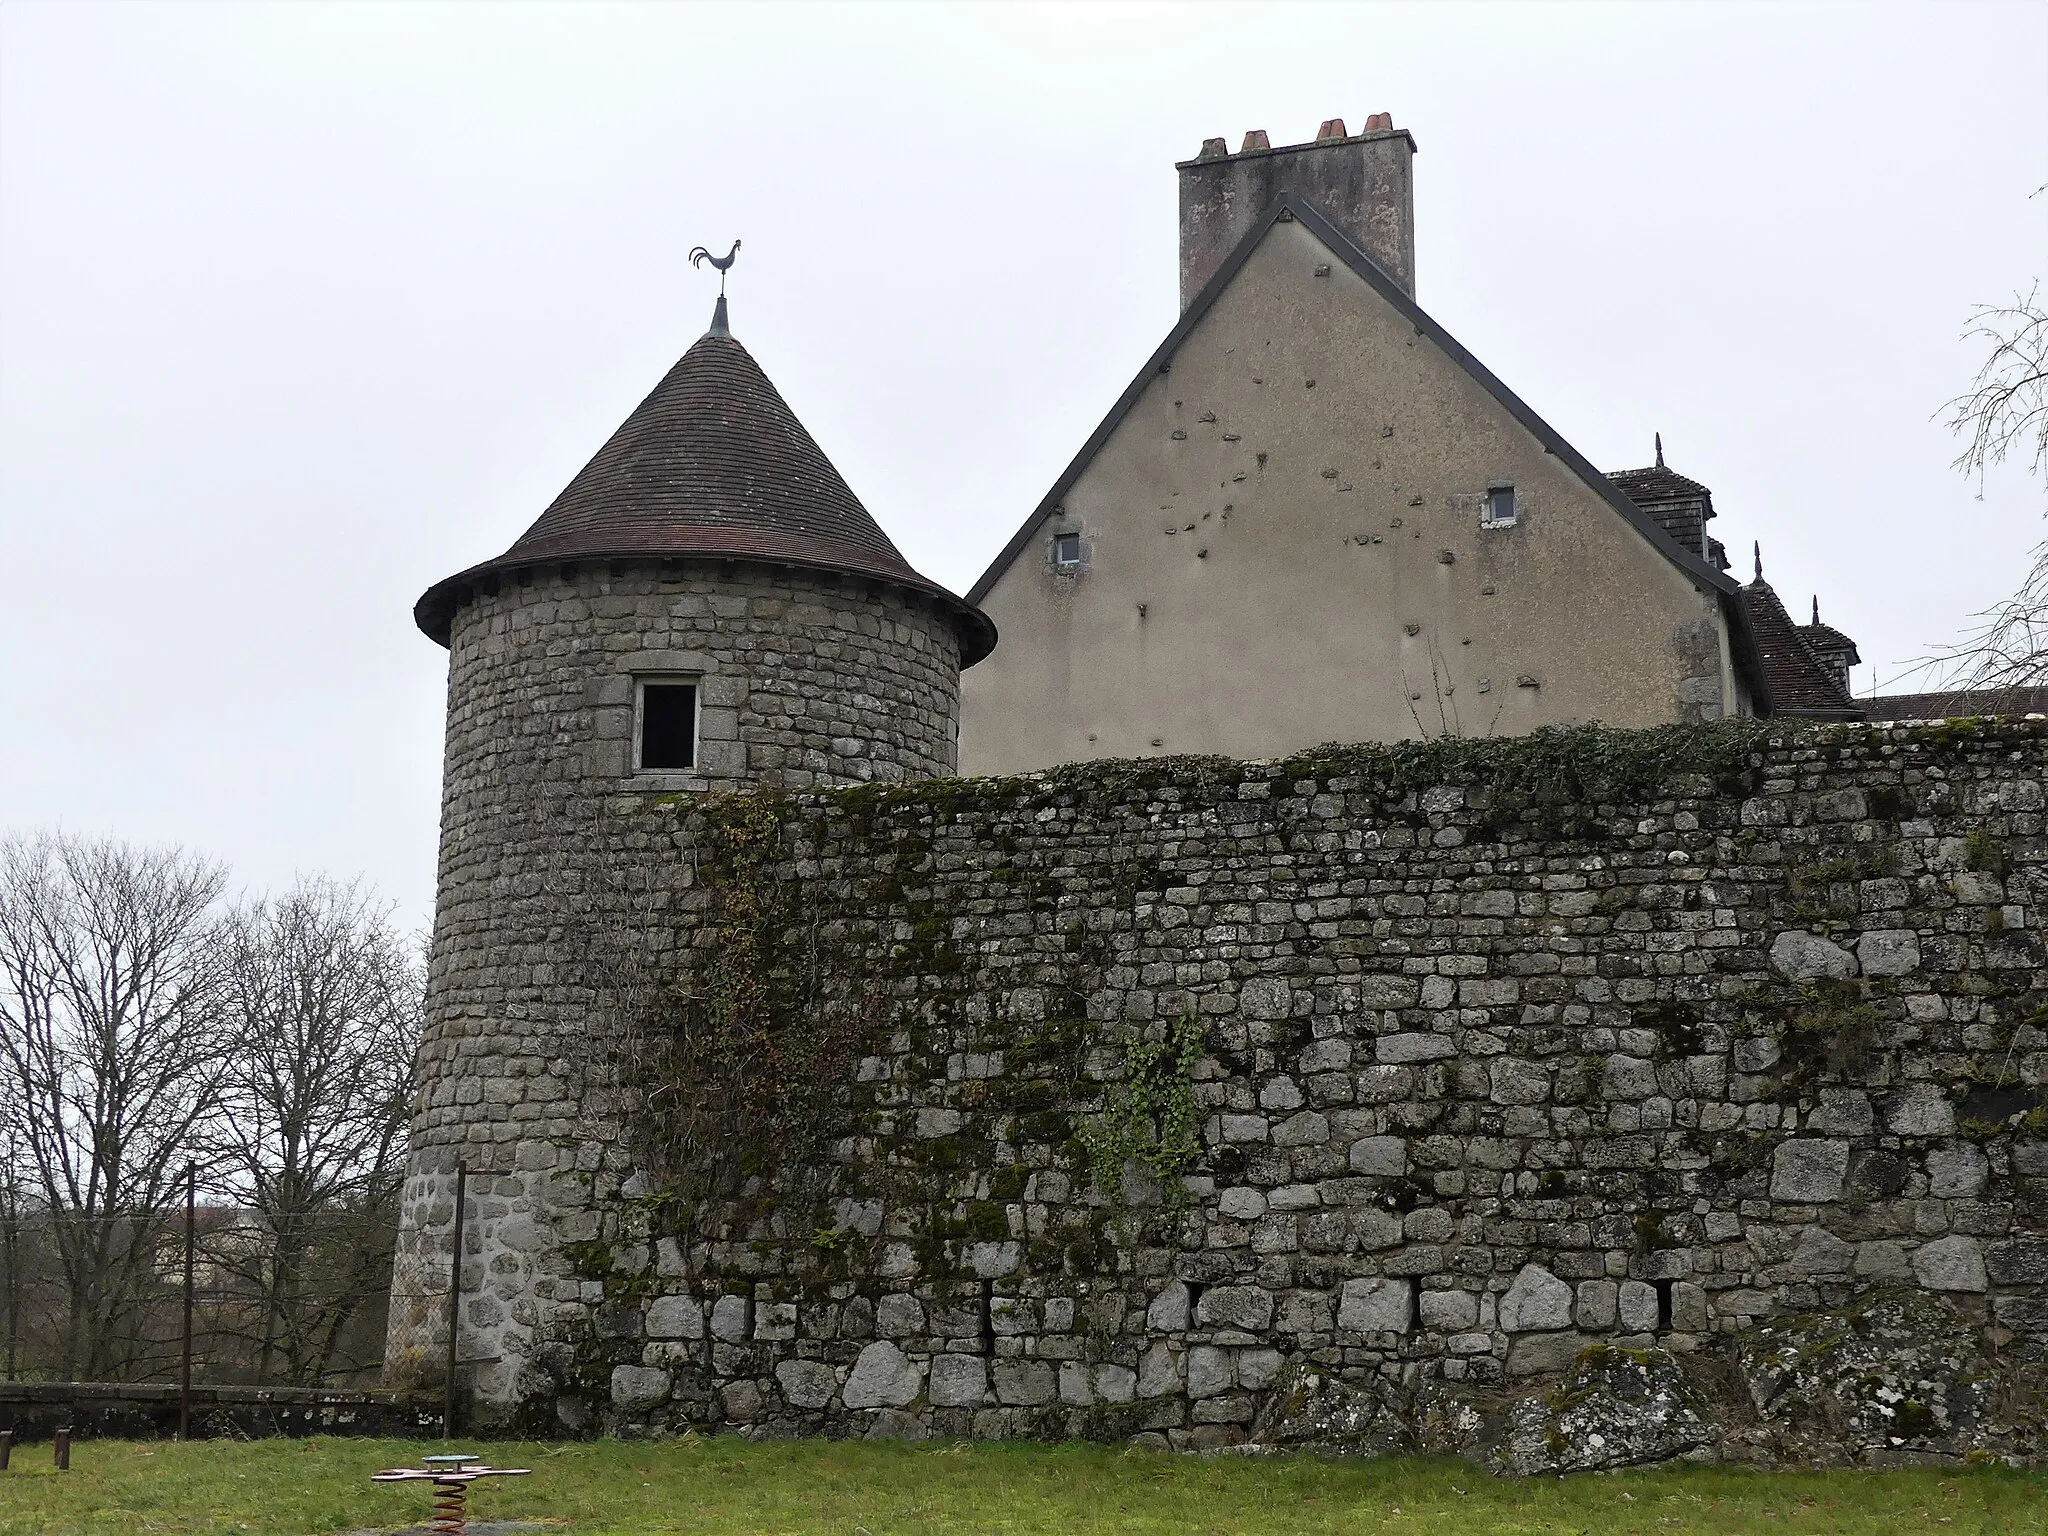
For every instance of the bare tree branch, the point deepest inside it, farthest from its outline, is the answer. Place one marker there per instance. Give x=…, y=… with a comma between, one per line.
x=112, y=1046
x=326, y=997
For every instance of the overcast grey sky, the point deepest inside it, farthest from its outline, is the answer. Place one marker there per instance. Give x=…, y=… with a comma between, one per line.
x=303, y=307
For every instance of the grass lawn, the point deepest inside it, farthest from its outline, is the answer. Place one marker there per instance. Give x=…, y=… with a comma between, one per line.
x=298, y=1488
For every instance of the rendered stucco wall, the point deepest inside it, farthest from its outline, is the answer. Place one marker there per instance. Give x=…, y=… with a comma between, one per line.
x=1283, y=547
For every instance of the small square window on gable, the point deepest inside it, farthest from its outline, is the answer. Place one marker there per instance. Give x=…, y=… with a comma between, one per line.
x=1500, y=507
x=1066, y=549
x=664, y=724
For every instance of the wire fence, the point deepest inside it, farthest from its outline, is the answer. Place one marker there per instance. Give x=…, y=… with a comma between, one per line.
x=213, y=1293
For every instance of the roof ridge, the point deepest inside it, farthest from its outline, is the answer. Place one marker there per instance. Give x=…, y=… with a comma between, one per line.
x=1289, y=206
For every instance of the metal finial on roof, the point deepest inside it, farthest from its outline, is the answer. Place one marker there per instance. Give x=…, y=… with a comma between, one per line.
x=1816, y=607
x=1660, y=450
x=698, y=256
x=1759, y=547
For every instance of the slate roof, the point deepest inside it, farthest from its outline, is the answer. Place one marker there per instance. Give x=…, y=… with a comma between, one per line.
x=1957, y=702
x=1795, y=681
x=1825, y=637
x=713, y=463
x=1680, y=506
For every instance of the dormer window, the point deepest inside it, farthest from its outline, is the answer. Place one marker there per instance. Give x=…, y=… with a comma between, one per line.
x=1500, y=507
x=664, y=724
x=1066, y=550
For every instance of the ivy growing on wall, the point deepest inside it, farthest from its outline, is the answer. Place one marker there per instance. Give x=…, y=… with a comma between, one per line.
x=1150, y=1116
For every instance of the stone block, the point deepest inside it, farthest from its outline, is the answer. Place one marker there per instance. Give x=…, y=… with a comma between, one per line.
x=675, y=1317
x=1307, y=1129
x=1024, y=1383
x=1449, y=1311
x=1627, y=1077
x=1380, y=1156
x=1537, y=1301
x=1957, y=1171
x=1376, y=1306
x=1388, y=992
x=1920, y=1109
x=638, y=1388
x=1115, y=1383
x=1842, y=1112
x=1809, y=1172
x=1950, y=1264
x=806, y=1383
x=2021, y=1260
x=1265, y=997
x=1802, y=956
x=1242, y=1203
x=1243, y=1307
x=1401, y=1050
x=1889, y=952
x=883, y=1377
x=1882, y=1259
x=898, y=1316
x=1211, y=1372
x=1159, y=1371
x=958, y=1381
x=732, y=1319
x=1514, y=1081
x=1596, y=1305
x=1636, y=1307
x=1544, y=1354
x=1258, y=1368
x=1820, y=1252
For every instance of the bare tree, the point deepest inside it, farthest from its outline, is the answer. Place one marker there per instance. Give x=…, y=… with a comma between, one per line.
x=326, y=997
x=2005, y=412
x=112, y=1045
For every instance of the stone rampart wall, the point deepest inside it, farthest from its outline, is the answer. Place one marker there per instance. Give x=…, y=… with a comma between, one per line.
x=1639, y=1040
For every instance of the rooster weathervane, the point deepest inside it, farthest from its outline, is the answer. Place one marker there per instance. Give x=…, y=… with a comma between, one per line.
x=699, y=255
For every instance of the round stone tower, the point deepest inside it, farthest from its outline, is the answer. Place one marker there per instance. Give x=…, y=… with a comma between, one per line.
x=706, y=606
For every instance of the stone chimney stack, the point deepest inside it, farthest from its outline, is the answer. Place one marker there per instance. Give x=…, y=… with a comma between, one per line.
x=1363, y=183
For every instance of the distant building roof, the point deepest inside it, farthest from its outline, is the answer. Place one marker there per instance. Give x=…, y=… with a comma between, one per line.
x=1826, y=639
x=712, y=463
x=1796, y=680
x=1682, y=507
x=1956, y=702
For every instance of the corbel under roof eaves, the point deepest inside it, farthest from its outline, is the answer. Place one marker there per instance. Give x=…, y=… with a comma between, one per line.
x=1340, y=244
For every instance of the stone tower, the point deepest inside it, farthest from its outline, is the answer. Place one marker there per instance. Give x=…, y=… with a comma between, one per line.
x=706, y=606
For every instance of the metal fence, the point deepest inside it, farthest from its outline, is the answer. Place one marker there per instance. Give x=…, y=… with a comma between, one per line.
x=209, y=1292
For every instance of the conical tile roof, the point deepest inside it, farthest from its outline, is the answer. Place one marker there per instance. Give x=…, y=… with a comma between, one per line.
x=712, y=463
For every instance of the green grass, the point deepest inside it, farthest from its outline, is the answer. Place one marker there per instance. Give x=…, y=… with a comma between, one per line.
x=725, y=1485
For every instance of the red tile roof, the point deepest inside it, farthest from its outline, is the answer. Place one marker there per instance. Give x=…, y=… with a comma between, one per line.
x=712, y=464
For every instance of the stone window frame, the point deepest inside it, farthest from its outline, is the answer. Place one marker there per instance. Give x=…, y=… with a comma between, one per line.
x=642, y=681
x=1494, y=488
x=1061, y=532
x=616, y=693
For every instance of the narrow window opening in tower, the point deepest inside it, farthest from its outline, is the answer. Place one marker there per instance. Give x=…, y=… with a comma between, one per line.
x=665, y=726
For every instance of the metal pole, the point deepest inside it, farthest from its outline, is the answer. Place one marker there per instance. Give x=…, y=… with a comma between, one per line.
x=185, y=1353
x=454, y=1306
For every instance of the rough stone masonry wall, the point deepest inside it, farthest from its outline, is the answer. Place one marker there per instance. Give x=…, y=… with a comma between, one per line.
x=804, y=679
x=1487, y=1074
